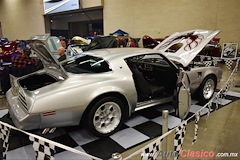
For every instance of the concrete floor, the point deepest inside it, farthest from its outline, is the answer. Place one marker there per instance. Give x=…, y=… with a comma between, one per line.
x=222, y=131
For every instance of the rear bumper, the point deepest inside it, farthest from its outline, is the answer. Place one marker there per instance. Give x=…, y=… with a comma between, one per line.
x=19, y=115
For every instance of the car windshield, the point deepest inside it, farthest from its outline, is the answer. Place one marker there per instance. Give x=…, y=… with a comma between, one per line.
x=86, y=64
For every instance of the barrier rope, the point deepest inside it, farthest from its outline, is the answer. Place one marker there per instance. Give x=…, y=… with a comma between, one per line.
x=143, y=148
x=52, y=142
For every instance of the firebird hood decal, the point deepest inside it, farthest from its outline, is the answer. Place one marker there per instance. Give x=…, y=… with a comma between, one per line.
x=183, y=47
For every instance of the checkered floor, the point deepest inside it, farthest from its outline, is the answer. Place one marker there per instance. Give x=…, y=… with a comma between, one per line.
x=141, y=127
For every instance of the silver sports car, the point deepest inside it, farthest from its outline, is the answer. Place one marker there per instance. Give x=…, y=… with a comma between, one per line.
x=102, y=88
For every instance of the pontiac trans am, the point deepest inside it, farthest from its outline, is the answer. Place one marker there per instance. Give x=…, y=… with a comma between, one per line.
x=103, y=87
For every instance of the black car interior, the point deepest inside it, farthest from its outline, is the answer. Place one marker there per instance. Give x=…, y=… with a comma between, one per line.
x=36, y=81
x=153, y=77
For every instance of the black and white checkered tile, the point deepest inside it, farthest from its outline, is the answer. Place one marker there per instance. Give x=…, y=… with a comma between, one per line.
x=5, y=131
x=141, y=127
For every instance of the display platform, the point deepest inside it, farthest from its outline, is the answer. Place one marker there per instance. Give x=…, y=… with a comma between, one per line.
x=141, y=127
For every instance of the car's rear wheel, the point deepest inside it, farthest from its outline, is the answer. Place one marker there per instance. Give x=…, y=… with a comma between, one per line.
x=207, y=88
x=106, y=116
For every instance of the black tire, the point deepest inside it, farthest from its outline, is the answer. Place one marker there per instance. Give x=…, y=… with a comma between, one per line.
x=106, y=116
x=206, y=90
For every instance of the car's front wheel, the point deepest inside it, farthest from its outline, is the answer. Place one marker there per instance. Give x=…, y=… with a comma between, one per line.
x=207, y=88
x=106, y=116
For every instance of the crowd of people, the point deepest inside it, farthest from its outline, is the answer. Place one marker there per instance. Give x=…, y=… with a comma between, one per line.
x=123, y=41
x=22, y=63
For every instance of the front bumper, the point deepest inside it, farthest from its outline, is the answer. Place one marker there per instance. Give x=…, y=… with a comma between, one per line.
x=19, y=115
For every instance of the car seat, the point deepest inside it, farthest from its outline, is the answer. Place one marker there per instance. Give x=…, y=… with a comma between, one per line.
x=145, y=90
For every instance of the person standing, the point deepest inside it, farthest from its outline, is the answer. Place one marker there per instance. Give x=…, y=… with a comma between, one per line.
x=61, y=53
x=63, y=43
x=130, y=42
x=121, y=42
x=94, y=34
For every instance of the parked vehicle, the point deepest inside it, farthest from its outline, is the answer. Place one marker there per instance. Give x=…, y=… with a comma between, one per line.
x=75, y=49
x=103, y=87
x=100, y=42
x=9, y=50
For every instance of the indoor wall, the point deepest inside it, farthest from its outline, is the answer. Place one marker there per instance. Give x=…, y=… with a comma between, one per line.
x=1, y=30
x=159, y=18
x=21, y=19
x=91, y=3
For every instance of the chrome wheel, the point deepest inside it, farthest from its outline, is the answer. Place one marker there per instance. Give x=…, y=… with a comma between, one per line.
x=107, y=117
x=208, y=88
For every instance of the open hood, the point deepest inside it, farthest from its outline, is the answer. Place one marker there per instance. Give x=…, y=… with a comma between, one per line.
x=183, y=47
x=49, y=61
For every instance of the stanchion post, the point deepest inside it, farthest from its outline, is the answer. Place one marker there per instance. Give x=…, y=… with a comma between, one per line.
x=164, y=130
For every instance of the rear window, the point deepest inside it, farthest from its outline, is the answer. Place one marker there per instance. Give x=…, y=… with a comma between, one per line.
x=54, y=44
x=86, y=64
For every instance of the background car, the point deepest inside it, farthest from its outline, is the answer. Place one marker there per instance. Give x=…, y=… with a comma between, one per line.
x=75, y=49
x=102, y=88
x=9, y=50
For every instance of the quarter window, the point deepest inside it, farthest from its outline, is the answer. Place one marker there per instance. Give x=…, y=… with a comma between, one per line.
x=86, y=64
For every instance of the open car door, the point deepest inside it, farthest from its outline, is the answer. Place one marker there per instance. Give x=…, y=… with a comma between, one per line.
x=184, y=95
